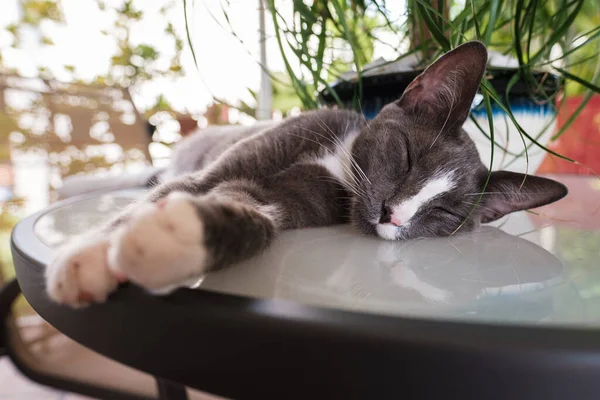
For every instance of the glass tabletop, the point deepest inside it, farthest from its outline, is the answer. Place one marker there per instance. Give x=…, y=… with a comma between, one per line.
x=527, y=268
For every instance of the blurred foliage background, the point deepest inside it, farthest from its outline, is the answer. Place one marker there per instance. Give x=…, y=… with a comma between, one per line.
x=329, y=37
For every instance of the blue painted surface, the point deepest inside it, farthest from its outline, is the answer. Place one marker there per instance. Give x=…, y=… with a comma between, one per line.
x=520, y=105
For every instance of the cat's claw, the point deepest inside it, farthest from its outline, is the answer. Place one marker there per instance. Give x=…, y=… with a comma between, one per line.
x=159, y=247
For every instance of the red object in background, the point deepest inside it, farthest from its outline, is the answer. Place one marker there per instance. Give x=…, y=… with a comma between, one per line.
x=580, y=209
x=580, y=142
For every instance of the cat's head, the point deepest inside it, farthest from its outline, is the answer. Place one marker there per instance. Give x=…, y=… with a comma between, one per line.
x=421, y=173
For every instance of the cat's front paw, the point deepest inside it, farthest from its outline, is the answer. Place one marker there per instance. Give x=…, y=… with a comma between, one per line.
x=79, y=275
x=162, y=246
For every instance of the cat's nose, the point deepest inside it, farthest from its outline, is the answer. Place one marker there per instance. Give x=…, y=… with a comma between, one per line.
x=388, y=217
x=395, y=221
x=386, y=214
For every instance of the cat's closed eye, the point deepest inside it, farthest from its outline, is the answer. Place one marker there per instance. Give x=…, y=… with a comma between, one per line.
x=447, y=212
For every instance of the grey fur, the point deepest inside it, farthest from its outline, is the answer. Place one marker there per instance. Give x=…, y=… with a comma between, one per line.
x=198, y=150
x=255, y=182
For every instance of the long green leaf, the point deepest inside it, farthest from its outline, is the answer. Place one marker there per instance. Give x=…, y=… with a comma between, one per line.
x=517, y=35
x=484, y=133
x=187, y=33
x=475, y=20
x=353, y=45
x=490, y=115
x=306, y=99
x=561, y=30
x=436, y=31
x=532, y=25
x=487, y=87
x=579, y=80
x=494, y=13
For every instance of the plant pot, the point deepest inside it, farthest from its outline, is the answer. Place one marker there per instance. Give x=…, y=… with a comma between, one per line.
x=536, y=116
x=534, y=113
x=579, y=141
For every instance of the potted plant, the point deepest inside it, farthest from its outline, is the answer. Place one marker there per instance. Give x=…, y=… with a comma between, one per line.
x=538, y=51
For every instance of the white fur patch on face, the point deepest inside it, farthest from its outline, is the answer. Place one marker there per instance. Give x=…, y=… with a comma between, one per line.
x=338, y=163
x=436, y=186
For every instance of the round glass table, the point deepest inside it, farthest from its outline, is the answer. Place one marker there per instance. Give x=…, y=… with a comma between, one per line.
x=509, y=311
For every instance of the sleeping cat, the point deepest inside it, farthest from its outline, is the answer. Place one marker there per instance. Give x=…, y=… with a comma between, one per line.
x=411, y=172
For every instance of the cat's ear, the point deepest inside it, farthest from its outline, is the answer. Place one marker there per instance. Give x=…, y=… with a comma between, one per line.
x=445, y=91
x=508, y=192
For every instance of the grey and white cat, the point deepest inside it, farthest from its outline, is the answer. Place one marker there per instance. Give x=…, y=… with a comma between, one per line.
x=411, y=172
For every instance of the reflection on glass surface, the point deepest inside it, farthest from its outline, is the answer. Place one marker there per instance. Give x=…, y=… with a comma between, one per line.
x=59, y=225
x=535, y=268
x=485, y=275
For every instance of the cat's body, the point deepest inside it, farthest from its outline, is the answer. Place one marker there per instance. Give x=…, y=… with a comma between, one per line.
x=412, y=172
x=303, y=162
x=197, y=151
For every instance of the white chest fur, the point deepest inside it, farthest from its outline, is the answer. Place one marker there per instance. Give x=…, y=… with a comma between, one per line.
x=338, y=161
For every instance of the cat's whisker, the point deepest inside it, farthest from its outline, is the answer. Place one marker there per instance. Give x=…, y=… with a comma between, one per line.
x=480, y=193
x=452, y=244
x=341, y=146
x=356, y=195
x=352, y=161
x=508, y=193
x=326, y=126
x=354, y=164
x=363, y=115
x=478, y=205
x=443, y=126
x=359, y=169
x=359, y=194
x=349, y=155
x=338, y=142
x=353, y=189
x=334, y=138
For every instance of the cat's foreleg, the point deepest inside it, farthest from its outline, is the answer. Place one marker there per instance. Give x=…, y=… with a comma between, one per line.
x=181, y=233
x=161, y=245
